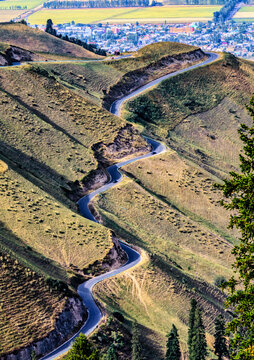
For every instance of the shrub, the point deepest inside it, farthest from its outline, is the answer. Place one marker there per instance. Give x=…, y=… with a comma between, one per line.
x=219, y=281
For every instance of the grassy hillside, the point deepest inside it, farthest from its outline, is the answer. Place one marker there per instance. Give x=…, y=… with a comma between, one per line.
x=168, y=206
x=3, y=47
x=51, y=139
x=53, y=130
x=185, y=259
x=151, y=54
x=199, y=113
x=40, y=42
x=55, y=136
x=100, y=82
x=28, y=307
x=48, y=227
x=89, y=79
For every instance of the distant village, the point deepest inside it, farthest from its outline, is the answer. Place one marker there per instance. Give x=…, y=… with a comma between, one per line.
x=234, y=37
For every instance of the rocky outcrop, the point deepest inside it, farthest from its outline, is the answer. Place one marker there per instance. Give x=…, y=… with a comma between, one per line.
x=137, y=78
x=127, y=142
x=68, y=321
x=14, y=54
x=115, y=258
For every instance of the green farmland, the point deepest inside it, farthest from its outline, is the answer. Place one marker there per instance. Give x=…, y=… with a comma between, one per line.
x=246, y=13
x=19, y=4
x=123, y=15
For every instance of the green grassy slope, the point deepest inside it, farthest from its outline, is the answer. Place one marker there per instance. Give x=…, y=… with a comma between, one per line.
x=89, y=79
x=217, y=94
x=151, y=54
x=168, y=206
x=40, y=42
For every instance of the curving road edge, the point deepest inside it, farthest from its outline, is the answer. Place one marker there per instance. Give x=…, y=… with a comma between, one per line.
x=85, y=289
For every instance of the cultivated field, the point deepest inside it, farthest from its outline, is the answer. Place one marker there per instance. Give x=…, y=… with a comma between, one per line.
x=123, y=15
x=7, y=15
x=246, y=13
x=22, y=4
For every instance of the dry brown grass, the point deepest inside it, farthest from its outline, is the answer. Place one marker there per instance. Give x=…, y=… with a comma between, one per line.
x=90, y=79
x=41, y=42
x=28, y=308
x=52, y=129
x=49, y=227
x=164, y=230
x=156, y=300
x=186, y=186
x=195, y=92
x=3, y=167
x=151, y=54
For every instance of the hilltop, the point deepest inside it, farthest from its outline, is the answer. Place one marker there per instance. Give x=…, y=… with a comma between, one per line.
x=41, y=43
x=104, y=82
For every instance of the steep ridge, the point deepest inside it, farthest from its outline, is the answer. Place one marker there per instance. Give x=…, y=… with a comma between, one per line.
x=44, y=154
x=184, y=259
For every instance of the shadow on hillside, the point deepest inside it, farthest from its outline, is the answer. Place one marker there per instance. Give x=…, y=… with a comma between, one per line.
x=36, y=172
x=10, y=243
x=42, y=116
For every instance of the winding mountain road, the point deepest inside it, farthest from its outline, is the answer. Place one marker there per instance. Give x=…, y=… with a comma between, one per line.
x=85, y=289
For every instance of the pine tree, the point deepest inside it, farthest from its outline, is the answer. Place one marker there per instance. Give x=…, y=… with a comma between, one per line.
x=199, y=345
x=111, y=353
x=191, y=323
x=136, y=347
x=239, y=189
x=49, y=26
x=82, y=350
x=220, y=345
x=173, y=347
